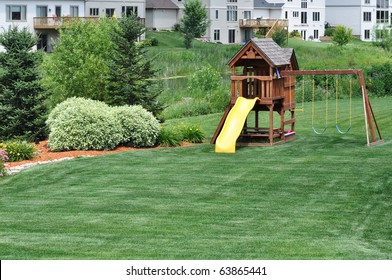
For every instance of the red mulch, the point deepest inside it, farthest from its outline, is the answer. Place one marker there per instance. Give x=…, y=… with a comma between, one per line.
x=45, y=154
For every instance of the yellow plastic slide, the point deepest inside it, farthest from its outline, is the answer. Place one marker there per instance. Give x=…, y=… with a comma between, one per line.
x=225, y=143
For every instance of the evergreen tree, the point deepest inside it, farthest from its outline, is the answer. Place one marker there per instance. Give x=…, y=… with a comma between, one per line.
x=131, y=70
x=22, y=109
x=194, y=22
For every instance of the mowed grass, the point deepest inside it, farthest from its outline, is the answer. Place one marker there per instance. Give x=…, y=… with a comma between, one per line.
x=317, y=197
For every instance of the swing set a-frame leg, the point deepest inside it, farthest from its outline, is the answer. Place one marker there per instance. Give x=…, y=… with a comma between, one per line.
x=370, y=118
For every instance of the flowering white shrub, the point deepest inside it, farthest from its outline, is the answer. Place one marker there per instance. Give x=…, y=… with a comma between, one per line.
x=139, y=127
x=83, y=124
x=3, y=159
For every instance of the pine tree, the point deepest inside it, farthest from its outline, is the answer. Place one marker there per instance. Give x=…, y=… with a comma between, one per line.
x=131, y=70
x=22, y=109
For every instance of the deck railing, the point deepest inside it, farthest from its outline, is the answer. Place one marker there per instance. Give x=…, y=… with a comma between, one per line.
x=262, y=23
x=59, y=22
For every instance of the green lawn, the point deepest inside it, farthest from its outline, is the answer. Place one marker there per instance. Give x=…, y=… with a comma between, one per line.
x=318, y=197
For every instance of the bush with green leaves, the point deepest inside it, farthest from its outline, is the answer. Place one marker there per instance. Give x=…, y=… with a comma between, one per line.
x=379, y=79
x=295, y=34
x=18, y=150
x=192, y=134
x=169, y=137
x=174, y=136
x=329, y=31
x=280, y=37
x=139, y=128
x=206, y=79
x=84, y=124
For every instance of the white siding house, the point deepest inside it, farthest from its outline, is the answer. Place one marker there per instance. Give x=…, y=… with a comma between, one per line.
x=102, y=8
x=225, y=16
x=40, y=17
x=364, y=17
x=163, y=14
x=306, y=16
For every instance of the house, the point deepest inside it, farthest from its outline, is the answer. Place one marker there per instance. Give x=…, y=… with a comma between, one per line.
x=364, y=17
x=40, y=17
x=102, y=8
x=307, y=17
x=45, y=18
x=163, y=14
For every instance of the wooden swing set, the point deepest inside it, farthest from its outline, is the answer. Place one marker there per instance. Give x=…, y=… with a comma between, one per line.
x=370, y=118
x=266, y=73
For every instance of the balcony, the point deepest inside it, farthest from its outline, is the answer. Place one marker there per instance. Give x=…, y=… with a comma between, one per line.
x=41, y=23
x=263, y=23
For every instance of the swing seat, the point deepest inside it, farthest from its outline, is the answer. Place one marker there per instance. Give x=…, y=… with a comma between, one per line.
x=317, y=132
x=342, y=132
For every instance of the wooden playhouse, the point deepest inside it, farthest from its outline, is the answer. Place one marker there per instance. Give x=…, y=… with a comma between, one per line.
x=255, y=72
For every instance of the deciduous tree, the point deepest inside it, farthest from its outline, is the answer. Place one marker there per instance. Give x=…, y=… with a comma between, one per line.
x=194, y=22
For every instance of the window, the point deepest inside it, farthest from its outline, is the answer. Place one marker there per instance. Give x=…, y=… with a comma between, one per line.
x=315, y=34
x=216, y=35
x=231, y=35
x=316, y=16
x=74, y=11
x=367, y=34
x=303, y=34
x=286, y=14
x=367, y=1
x=110, y=12
x=129, y=10
x=382, y=17
x=94, y=12
x=367, y=16
x=304, y=17
x=383, y=4
x=216, y=14
x=16, y=12
x=304, y=4
x=295, y=14
x=231, y=13
x=232, y=1
x=247, y=15
x=58, y=11
x=42, y=11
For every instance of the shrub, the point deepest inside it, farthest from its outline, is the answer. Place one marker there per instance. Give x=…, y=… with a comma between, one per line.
x=379, y=79
x=192, y=134
x=18, y=150
x=280, y=37
x=83, y=124
x=3, y=159
x=207, y=79
x=169, y=137
x=139, y=128
x=329, y=31
x=295, y=34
